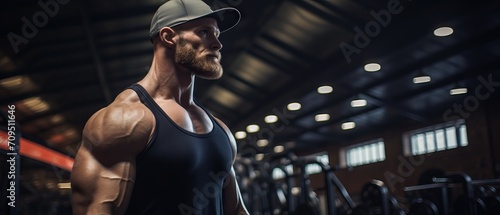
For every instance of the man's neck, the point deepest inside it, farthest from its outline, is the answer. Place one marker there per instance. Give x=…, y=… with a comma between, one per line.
x=165, y=80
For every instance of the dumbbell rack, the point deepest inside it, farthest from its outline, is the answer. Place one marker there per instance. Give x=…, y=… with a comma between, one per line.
x=442, y=189
x=468, y=202
x=494, y=197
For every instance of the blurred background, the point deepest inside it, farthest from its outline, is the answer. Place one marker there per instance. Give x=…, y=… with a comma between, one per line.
x=400, y=91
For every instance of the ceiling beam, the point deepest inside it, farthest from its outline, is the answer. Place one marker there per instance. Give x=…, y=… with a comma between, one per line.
x=97, y=102
x=50, y=90
x=286, y=47
x=394, y=106
x=338, y=20
x=276, y=61
x=68, y=66
x=96, y=57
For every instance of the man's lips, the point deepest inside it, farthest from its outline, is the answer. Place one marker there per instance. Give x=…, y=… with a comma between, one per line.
x=214, y=55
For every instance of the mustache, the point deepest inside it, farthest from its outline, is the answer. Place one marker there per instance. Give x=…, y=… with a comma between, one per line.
x=215, y=54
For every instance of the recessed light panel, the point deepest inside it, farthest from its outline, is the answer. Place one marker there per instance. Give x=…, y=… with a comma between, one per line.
x=443, y=31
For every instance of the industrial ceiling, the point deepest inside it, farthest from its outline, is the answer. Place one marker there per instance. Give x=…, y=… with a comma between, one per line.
x=60, y=61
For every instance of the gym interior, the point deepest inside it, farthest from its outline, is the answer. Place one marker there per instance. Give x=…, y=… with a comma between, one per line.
x=337, y=106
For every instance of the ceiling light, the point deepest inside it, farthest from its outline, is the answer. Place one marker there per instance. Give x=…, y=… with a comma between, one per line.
x=271, y=119
x=372, y=67
x=70, y=133
x=253, y=128
x=35, y=104
x=458, y=91
x=279, y=149
x=12, y=82
x=18, y=84
x=259, y=157
x=322, y=117
x=325, y=89
x=40, y=107
x=33, y=101
x=348, y=125
x=56, y=119
x=443, y=31
x=240, y=135
x=421, y=78
x=64, y=185
x=293, y=106
x=262, y=142
x=358, y=103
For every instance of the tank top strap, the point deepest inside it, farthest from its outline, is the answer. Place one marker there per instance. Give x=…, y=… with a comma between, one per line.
x=206, y=111
x=142, y=93
x=146, y=99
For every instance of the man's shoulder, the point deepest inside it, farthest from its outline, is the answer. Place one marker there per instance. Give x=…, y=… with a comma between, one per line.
x=125, y=109
x=126, y=120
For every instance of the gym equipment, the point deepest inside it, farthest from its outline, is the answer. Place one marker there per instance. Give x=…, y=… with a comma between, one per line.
x=376, y=199
x=330, y=180
x=468, y=191
x=471, y=198
x=492, y=204
x=433, y=195
x=462, y=204
x=395, y=207
x=423, y=207
x=439, y=196
x=467, y=203
x=257, y=188
x=282, y=200
x=375, y=195
x=362, y=210
x=488, y=195
x=308, y=200
x=444, y=193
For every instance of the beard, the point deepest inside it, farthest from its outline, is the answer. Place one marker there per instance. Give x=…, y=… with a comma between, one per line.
x=204, y=67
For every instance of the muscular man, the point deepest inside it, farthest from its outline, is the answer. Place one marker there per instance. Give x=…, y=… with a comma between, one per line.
x=155, y=150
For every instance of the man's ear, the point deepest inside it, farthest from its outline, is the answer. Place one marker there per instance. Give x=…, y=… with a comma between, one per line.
x=166, y=36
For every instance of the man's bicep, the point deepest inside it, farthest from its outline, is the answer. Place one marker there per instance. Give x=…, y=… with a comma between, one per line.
x=104, y=170
x=101, y=187
x=83, y=177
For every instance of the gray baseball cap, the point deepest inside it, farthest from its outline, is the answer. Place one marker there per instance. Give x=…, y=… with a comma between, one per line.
x=176, y=12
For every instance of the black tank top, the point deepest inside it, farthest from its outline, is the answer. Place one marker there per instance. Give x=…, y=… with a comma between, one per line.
x=179, y=172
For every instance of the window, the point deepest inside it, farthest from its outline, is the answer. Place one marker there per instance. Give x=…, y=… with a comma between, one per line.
x=364, y=153
x=438, y=138
x=315, y=168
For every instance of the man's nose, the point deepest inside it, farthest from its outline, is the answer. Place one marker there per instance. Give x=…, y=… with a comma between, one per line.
x=216, y=44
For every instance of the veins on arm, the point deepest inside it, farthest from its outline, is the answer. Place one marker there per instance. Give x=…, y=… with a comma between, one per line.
x=104, y=169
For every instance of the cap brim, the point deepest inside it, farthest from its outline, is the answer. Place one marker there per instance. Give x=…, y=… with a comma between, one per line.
x=226, y=18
